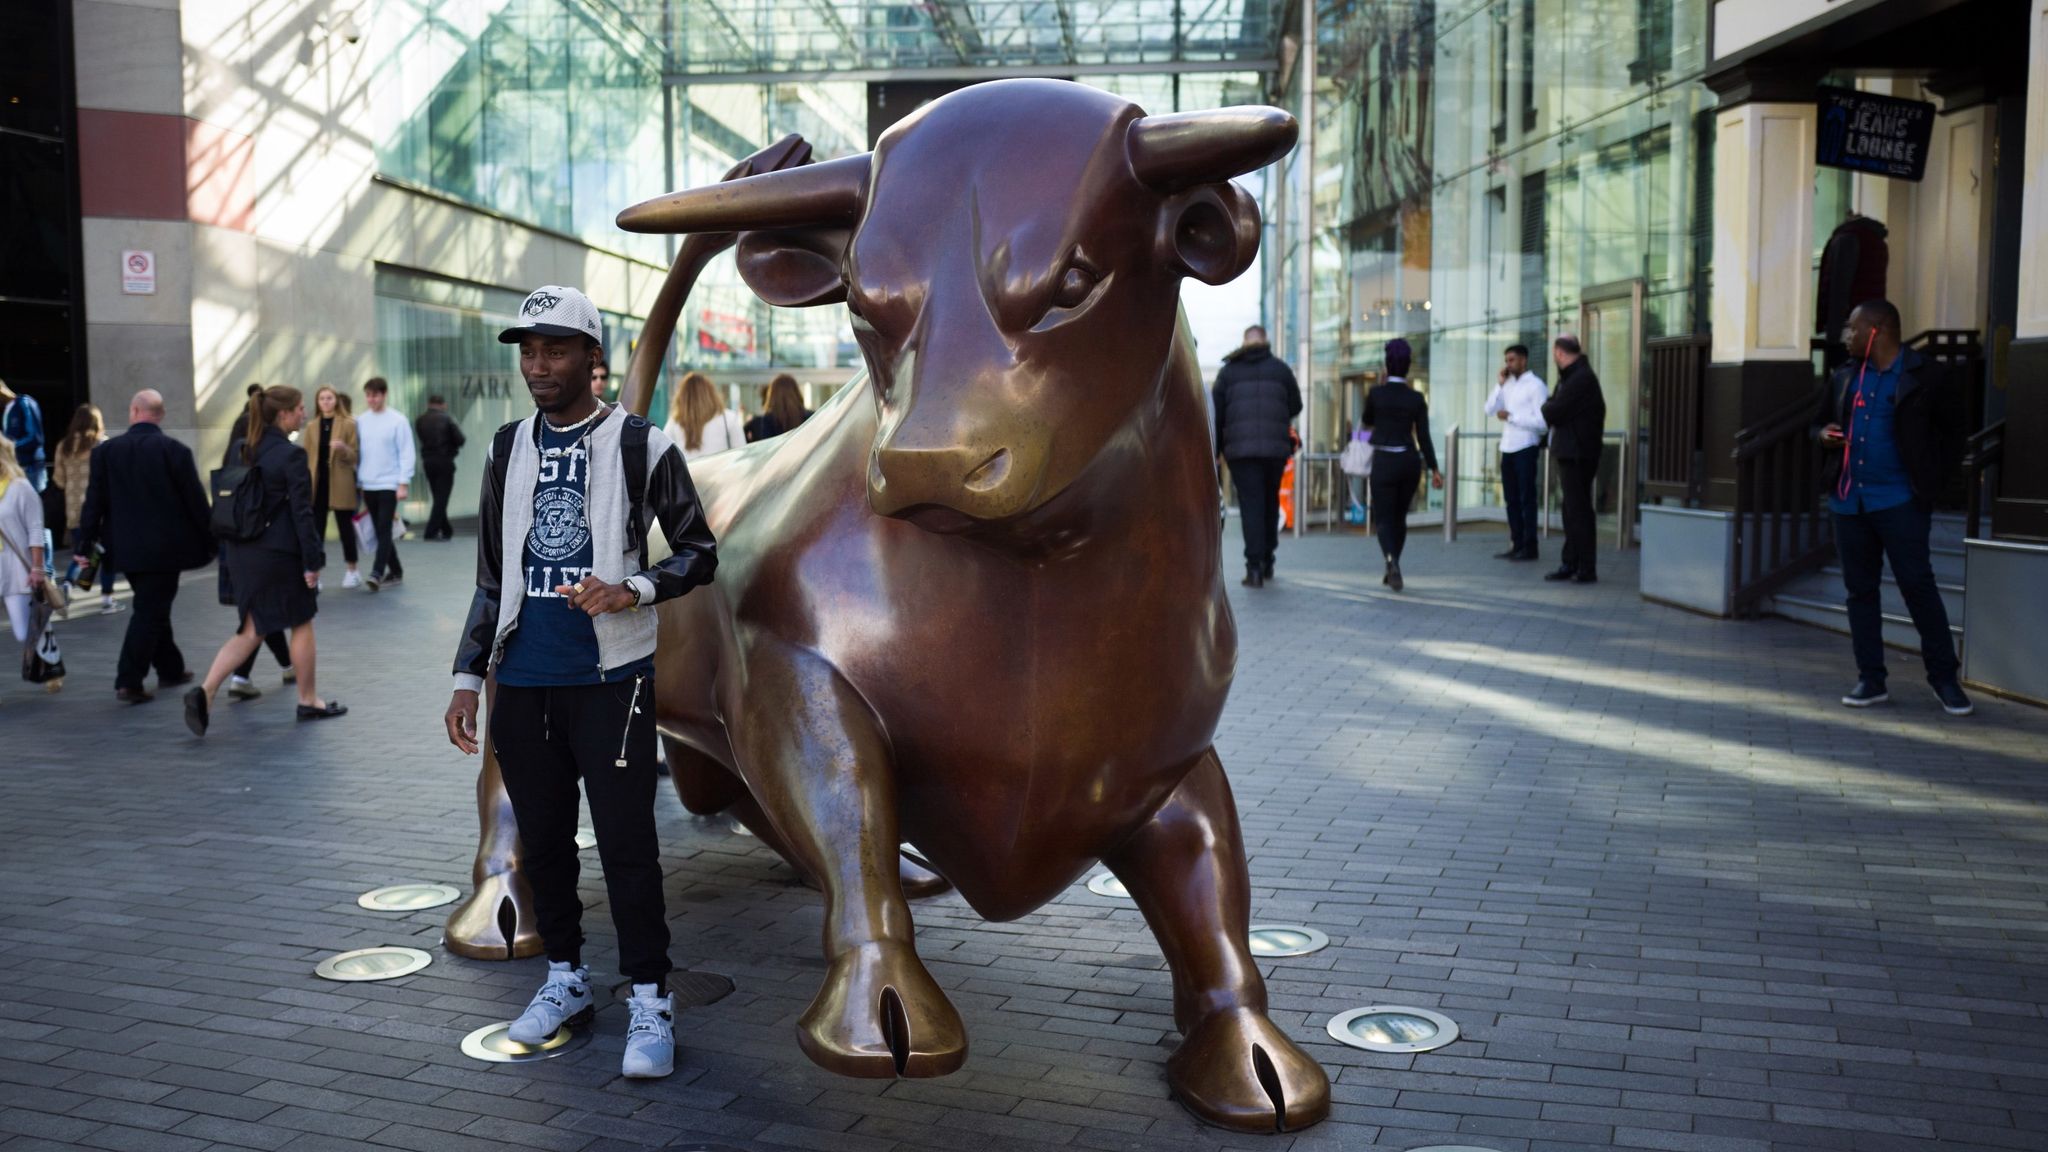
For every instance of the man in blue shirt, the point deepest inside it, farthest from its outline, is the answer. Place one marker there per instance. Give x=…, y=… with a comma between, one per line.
x=1890, y=437
x=563, y=615
x=21, y=421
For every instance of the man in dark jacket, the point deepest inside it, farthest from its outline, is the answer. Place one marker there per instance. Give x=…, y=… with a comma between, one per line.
x=145, y=505
x=1577, y=415
x=1256, y=403
x=1891, y=435
x=440, y=439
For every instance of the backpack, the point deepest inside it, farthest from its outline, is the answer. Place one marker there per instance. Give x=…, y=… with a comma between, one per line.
x=633, y=453
x=238, y=511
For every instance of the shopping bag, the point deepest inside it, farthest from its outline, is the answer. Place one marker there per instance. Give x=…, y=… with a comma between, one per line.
x=1287, y=496
x=41, y=660
x=366, y=532
x=1357, y=458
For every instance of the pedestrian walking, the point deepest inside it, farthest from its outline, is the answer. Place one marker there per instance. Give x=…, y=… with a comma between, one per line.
x=275, y=562
x=146, y=510
x=1891, y=431
x=71, y=473
x=1256, y=400
x=1397, y=419
x=1576, y=415
x=239, y=686
x=23, y=561
x=332, y=451
x=440, y=440
x=699, y=422
x=1517, y=403
x=783, y=409
x=568, y=501
x=21, y=422
x=383, y=476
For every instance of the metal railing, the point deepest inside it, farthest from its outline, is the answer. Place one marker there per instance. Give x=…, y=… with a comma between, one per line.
x=1982, y=455
x=1781, y=529
x=1676, y=465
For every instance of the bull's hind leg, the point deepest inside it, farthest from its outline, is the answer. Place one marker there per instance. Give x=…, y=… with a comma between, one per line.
x=816, y=763
x=1186, y=870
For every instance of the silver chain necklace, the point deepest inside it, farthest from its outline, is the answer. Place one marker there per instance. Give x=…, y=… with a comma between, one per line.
x=554, y=427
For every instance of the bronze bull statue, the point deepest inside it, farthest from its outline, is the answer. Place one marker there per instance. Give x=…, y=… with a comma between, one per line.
x=975, y=604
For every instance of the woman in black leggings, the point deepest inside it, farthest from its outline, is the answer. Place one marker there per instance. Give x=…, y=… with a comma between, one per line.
x=1398, y=419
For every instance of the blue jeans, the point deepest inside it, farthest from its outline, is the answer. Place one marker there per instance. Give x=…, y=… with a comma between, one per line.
x=1864, y=540
x=1518, y=491
x=38, y=476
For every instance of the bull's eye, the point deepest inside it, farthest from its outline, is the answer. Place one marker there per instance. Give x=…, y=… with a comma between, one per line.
x=1078, y=288
x=1075, y=288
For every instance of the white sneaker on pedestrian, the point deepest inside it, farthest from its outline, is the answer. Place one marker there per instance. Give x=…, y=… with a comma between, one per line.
x=650, y=1035
x=241, y=689
x=290, y=675
x=109, y=605
x=354, y=579
x=563, y=999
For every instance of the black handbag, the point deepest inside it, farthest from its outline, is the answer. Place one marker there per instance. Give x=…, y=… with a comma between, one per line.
x=238, y=512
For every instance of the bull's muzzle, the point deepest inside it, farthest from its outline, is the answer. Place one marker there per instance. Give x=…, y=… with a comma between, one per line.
x=951, y=489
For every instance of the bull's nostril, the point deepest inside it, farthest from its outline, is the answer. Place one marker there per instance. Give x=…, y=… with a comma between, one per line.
x=990, y=473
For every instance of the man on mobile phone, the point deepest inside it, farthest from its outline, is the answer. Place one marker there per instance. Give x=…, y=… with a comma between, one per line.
x=1890, y=431
x=1517, y=402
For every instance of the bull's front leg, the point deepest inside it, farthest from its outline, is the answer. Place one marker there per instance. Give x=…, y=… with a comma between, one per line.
x=814, y=758
x=497, y=922
x=1186, y=870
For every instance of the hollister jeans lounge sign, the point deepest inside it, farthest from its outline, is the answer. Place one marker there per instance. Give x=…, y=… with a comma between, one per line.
x=1881, y=135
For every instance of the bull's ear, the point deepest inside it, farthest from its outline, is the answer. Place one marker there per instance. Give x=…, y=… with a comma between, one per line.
x=795, y=267
x=1210, y=232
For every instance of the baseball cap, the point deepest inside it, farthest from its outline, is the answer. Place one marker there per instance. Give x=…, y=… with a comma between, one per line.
x=553, y=310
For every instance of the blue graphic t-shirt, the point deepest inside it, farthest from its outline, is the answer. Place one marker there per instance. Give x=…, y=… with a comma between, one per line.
x=555, y=644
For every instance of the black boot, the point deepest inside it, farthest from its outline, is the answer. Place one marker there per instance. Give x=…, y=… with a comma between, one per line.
x=1393, y=577
x=1253, y=578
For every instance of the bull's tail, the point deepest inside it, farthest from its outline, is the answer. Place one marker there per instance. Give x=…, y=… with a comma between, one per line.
x=637, y=394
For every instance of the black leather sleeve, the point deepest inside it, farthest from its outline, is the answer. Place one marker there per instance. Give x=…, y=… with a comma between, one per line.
x=480, y=630
x=672, y=497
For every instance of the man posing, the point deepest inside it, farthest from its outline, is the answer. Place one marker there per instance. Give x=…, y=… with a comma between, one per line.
x=440, y=439
x=1890, y=437
x=383, y=474
x=1577, y=417
x=1256, y=402
x=1517, y=402
x=568, y=495
x=144, y=503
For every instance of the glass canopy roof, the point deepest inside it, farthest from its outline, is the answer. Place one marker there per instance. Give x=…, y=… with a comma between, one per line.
x=727, y=40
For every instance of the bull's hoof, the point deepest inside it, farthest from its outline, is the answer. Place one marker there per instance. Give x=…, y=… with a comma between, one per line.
x=1236, y=1070
x=496, y=922
x=880, y=1014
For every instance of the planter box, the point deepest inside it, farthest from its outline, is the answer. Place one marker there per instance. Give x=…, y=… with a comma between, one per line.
x=2005, y=632
x=1689, y=558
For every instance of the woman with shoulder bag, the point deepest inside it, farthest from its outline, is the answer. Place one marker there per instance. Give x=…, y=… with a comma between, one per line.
x=72, y=472
x=275, y=573
x=1397, y=419
x=24, y=580
x=699, y=422
x=331, y=453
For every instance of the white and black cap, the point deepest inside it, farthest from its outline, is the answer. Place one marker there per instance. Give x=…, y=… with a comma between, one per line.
x=553, y=310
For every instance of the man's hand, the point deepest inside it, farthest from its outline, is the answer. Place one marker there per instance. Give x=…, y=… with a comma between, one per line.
x=1832, y=434
x=461, y=721
x=402, y=490
x=597, y=597
x=312, y=579
x=1501, y=415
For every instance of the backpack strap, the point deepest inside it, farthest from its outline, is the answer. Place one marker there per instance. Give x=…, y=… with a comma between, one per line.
x=501, y=455
x=633, y=452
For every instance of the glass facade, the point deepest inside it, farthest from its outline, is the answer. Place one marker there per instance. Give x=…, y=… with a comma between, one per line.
x=1491, y=172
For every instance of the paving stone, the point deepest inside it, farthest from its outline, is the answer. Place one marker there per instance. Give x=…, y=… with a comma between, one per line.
x=1676, y=897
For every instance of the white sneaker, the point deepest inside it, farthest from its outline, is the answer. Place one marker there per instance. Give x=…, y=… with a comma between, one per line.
x=109, y=605
x=563, y=999
x=650, y=1035
x=354, y=579
x=240, y=688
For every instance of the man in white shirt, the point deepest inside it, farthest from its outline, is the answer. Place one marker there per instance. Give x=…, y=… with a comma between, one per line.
x=383, y=473
x=1517, y=402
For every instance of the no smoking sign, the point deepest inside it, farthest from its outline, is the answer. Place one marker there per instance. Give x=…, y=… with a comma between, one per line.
x=138, y=273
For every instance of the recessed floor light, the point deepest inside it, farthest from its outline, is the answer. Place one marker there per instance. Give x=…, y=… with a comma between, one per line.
x=490, y=1044
x=388, y=963
x=1276, y=940
x=1393, y=1028
x=1107, y=884
x=408, y=897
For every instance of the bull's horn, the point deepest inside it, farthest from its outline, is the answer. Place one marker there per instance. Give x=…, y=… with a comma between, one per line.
x=815, y=194
x=1184, y=149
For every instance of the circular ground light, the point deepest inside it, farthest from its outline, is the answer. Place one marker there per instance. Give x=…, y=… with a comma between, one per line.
x=408, y=897
x=585, y=839
x=1107, y=884
x=1276, y=940
x=373, y=964
x=491, y=1045
x=1393, y=1028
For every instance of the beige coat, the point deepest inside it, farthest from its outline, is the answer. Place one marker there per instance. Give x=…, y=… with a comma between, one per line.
x=342, y=452
x=72, y=472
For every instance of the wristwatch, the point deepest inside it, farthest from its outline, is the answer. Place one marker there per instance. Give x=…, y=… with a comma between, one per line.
x=633, y=590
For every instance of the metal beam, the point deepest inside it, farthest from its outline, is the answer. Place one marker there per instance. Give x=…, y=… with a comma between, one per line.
x=994, y=72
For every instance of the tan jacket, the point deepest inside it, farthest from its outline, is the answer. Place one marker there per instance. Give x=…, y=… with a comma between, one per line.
x=342, y=451
x=72, y=472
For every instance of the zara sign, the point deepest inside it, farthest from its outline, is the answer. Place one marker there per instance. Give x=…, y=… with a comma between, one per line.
x=1879, y=135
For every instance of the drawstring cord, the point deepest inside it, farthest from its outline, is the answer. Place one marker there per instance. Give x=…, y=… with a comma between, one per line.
x=626, y=733
x=1844, y=485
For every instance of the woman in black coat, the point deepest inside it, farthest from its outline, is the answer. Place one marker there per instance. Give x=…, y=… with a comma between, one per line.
x=1398, y=418
x=275, y=576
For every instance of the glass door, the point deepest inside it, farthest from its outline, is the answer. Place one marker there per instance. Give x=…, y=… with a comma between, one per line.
x=1611, y=331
